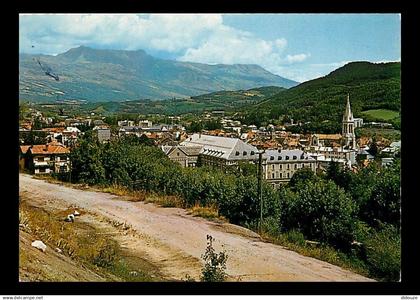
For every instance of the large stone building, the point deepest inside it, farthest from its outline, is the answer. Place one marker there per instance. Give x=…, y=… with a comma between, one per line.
x=221, y=151
x=280, y=165
x=186, y=156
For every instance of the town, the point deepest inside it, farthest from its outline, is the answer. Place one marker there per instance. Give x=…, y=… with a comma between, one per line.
x=209, y=147
x=283, y=152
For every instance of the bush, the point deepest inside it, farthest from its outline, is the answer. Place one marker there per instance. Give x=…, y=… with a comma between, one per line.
x=295, y=237
x=383, y=251
x=215, y=264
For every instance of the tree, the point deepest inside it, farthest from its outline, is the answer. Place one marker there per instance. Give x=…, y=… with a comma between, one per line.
x=195, y=127
x=302, y=176
x=320, y=210
x=373, y=148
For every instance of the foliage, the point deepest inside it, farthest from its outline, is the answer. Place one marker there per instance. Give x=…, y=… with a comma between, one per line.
x=215, y=264
x=383, y=251
x=302, y=176
x=321, y=211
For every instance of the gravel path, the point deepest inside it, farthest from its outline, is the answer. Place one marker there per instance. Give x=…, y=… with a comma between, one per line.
x=175, y=241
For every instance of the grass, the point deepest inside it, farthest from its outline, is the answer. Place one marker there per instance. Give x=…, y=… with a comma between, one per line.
x=210, y=212
x=79, y=241
x=295, y=241
x=165, y=201
x=389, y=134
x=381, y=114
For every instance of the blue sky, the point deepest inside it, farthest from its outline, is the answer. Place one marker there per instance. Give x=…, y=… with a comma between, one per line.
x=295, y=46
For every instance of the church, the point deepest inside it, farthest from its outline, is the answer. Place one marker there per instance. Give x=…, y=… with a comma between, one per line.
x=338, y=147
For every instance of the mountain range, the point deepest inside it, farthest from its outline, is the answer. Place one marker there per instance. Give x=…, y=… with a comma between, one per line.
x=98, y=75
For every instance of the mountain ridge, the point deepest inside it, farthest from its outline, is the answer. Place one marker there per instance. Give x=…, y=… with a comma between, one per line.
x=119, y=75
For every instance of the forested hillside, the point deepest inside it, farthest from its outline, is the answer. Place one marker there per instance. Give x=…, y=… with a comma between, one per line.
x=321, y=101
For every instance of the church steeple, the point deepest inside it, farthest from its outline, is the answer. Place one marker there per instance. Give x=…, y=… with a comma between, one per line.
x=348, y=126
x=348, y=115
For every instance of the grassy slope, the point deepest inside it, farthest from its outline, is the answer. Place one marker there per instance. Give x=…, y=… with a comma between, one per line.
x=381, y=114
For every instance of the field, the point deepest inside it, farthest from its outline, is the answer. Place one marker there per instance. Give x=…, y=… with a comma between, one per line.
x=381, y=114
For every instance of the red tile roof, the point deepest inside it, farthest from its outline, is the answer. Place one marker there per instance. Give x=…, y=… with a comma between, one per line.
x=52, y=148
x=24, y=148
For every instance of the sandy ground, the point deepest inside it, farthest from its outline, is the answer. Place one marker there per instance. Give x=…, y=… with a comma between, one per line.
x=174, y=241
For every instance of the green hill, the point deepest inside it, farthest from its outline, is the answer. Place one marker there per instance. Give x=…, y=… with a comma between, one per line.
x=115, y=75
x=321, y=101
x=222, y=100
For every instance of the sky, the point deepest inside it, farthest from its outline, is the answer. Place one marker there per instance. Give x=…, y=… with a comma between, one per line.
x=296, y=46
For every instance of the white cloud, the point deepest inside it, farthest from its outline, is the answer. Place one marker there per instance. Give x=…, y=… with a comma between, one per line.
x=191, y=37
x=296, y=58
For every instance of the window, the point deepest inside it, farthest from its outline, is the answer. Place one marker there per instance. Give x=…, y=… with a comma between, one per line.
x=287, y=175
x=40, y=158
x=295, y=166
x=271, y=157
x=244, y=153
x=252, y=152
x=177, y=154
x=287, y=157
x=288, y=166
x=279, y=158
x=281, y=175
x=272, y=167
x=281, y=167
x=294, y=157
x=237, y=153
x=272, y=175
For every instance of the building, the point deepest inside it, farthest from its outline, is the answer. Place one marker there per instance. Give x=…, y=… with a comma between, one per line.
x=326, y=139
x=45, y=159
x=348, y=127
x=327, y=154
x=103, y=133
x=221, y=151
x=280, y=165
x=186, y=156
x=358, y=122
x=145, y=123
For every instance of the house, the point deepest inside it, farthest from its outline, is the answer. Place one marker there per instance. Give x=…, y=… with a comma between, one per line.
x=280, y=165
x=327, y=154
x=103, y=133
x=45, y=159
x=221, y=151
x=325, y=139
x=145, y=124
x=186, y=156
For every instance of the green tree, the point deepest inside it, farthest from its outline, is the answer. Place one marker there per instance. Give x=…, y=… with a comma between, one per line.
x=321, y=211
x=302, y=176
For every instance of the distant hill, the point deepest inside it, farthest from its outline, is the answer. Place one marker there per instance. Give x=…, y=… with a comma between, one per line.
x=116, y=75
x=221, y=100
x=321, y=101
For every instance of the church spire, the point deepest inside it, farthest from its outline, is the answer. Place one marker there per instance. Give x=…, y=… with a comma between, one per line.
x=348, y=115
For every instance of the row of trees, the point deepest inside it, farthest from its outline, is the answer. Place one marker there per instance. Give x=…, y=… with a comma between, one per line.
x=335, y=209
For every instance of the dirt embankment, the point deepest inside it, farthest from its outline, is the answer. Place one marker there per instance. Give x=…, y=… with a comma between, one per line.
x=173, y=241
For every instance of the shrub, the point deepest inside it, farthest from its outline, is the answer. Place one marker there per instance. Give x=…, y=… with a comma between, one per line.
x=383, y=251
x=215, y=264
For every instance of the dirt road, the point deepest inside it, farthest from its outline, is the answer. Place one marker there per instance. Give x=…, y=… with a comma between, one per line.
x=174, y=241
